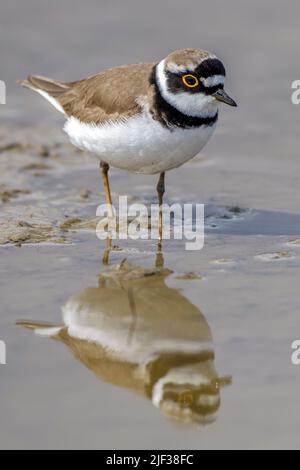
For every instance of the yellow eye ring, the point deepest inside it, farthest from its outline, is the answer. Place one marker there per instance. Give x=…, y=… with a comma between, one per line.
x=190, y=80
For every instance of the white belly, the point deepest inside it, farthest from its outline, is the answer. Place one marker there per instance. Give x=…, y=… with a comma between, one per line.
x=140, y=144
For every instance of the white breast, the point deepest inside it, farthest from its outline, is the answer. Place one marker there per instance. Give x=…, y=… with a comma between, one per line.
x=109, y=327
x=139, y=144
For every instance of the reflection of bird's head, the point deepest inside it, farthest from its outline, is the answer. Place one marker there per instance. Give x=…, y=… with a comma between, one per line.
x=189, y=389
x=190, y=405
x=134, y=331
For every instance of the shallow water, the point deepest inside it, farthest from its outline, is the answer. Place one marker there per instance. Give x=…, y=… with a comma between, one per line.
x=216, y=348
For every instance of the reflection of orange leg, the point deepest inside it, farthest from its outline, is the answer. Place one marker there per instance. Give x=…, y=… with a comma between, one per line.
x=105, y=257
x=160, y=192
x=159, y=260
x=104, y=171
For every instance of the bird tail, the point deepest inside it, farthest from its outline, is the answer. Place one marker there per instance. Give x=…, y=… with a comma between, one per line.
x=50, y=89
x=41, y=328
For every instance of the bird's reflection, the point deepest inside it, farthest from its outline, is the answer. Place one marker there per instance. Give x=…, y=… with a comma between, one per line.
x=134, y=331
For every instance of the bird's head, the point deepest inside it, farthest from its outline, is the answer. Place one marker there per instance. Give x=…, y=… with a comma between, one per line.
x=192, y=81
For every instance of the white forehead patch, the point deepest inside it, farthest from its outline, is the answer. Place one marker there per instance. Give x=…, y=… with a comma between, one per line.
x=214, y=80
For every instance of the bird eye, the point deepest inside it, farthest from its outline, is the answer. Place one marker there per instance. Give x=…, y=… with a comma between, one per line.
x=190, y=81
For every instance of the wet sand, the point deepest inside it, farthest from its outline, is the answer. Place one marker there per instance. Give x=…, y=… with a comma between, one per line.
x=240, y=293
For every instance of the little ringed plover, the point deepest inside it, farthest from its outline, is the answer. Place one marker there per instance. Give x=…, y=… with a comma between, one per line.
x=143, y=118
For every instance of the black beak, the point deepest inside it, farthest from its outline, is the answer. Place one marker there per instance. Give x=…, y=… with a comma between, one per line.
x=221, y=95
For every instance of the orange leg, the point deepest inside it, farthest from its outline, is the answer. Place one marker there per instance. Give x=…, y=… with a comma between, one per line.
x=104, y=171
x=160, y=192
